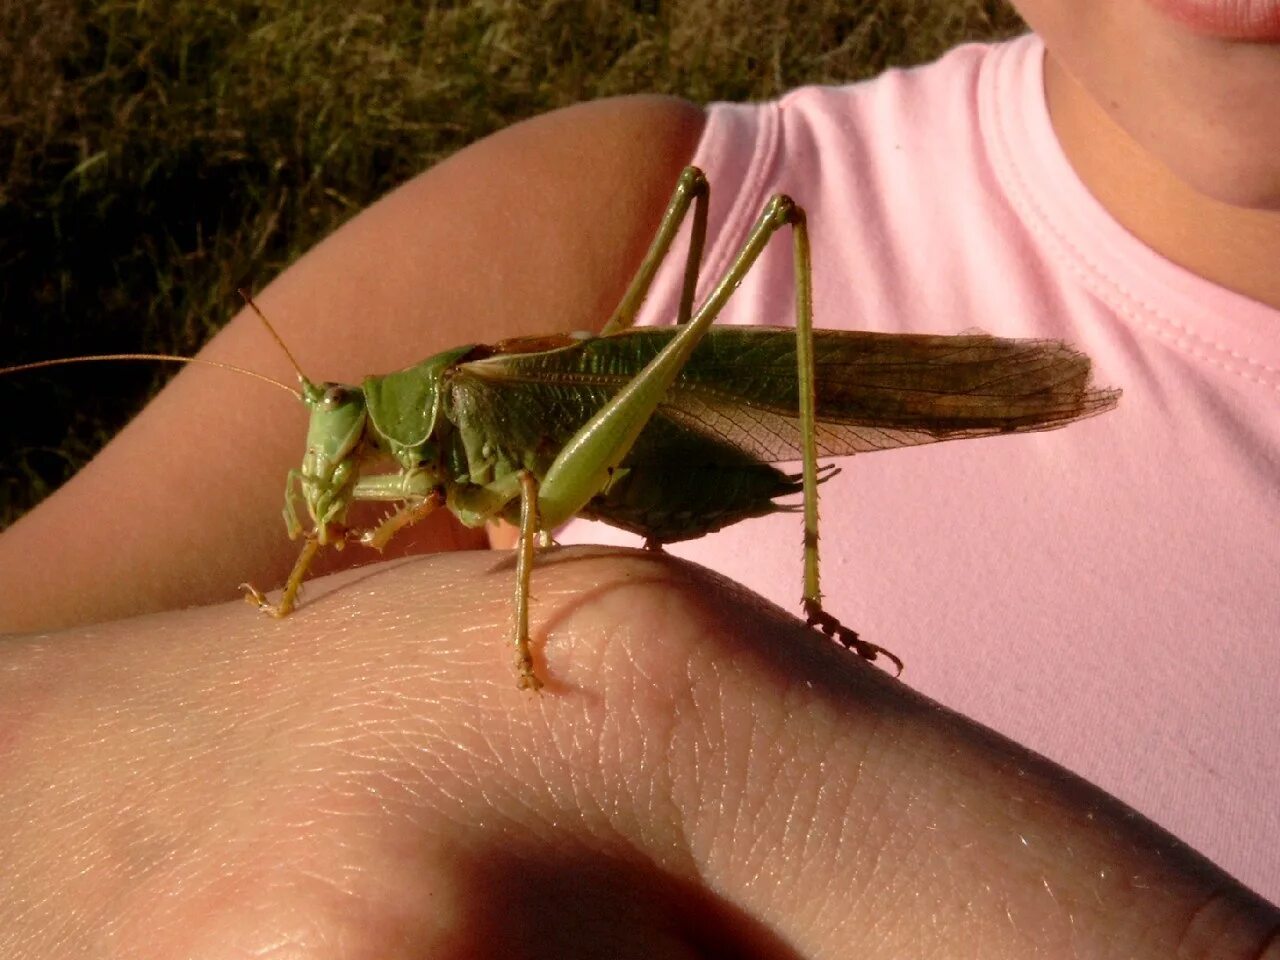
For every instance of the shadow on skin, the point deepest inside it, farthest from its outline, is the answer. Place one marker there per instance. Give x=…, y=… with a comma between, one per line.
x=529, y=903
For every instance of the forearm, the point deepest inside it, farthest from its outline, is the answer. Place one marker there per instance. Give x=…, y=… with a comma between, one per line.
x=210, y=773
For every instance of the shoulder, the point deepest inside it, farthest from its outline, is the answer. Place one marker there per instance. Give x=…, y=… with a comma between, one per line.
x=900, y=177
x=824, y=143
x=567, y=202
x=612, y=147
x=535, y=228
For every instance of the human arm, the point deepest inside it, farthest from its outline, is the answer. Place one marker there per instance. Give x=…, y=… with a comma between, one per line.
x=703, y=776
x=533, y=230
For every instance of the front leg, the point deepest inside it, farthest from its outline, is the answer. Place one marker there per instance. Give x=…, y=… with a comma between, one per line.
x=411, y=512
x=413, y=485
x=288, y=600
x=293, y=482
x=293, y=485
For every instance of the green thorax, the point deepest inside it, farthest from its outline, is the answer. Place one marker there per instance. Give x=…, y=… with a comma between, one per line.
x=405, y=407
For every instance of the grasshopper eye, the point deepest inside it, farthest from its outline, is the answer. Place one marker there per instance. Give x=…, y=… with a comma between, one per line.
x=335, y=395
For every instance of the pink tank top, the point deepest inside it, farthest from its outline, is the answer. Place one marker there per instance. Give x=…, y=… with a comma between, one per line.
x=1107, y=594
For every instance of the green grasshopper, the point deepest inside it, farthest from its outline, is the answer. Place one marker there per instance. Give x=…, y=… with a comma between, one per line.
x=668, y=432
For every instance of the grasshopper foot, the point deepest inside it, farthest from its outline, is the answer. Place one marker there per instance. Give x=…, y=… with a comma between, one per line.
x=815, y=616
x=526, y=679
x=289, y=598
x=255, y=597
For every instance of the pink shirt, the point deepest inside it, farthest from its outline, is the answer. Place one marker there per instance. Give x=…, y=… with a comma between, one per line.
x=1106, y=594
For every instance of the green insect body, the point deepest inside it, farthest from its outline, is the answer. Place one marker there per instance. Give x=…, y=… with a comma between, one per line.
x=671, y=433
x=668, y=432
x=705, y=457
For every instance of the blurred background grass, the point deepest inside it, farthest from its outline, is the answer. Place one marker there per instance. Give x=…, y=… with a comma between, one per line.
x=155, y=156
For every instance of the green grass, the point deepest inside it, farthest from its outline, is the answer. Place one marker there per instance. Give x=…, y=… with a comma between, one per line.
x=156, y=156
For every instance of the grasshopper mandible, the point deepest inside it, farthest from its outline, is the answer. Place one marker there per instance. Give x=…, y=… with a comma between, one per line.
x=668, y=432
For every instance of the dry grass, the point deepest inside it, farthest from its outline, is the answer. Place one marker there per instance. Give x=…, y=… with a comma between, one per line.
x=155, y=156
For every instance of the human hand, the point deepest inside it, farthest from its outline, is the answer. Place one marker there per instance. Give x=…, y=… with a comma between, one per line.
x=701, y=777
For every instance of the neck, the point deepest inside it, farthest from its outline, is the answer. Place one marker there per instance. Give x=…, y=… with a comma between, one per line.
x=1234, y=247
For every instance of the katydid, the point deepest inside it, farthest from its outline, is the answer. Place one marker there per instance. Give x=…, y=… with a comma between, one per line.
x=668, y=432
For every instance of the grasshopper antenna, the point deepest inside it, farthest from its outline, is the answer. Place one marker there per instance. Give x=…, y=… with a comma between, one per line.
x=161, y=357
x=275, y=336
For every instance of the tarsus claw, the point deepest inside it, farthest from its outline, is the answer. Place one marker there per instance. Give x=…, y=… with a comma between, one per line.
x=815, y=616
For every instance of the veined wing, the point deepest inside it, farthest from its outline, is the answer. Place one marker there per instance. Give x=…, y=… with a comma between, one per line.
x=873, y=391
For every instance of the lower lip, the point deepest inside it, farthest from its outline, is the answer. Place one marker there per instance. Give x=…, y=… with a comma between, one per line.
x=1252, y=20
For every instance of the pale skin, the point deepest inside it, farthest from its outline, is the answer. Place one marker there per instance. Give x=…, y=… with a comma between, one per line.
x=702, y=777
x=701, y=771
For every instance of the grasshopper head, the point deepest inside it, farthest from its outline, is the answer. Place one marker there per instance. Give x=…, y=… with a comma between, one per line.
x=330, y=466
